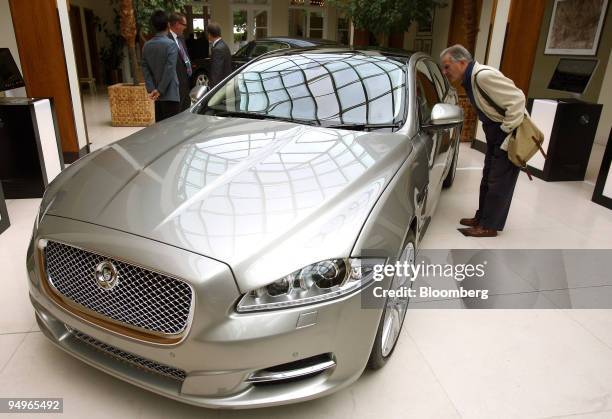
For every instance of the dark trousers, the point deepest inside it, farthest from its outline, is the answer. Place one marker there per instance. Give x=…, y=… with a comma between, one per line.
x=499, y=177
x=165, y=109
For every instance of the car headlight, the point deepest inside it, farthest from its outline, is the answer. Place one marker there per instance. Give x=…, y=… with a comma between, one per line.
x=318, y=282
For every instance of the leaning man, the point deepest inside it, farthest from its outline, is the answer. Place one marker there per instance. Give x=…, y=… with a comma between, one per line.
x=500, y=106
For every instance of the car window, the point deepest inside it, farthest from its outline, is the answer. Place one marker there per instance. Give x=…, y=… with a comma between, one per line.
x=439, y=80
x=427, y=94
x=263, y=47
x=321, y=88
x=245, y=51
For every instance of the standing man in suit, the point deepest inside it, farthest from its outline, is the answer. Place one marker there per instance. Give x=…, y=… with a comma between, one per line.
x=221, y=57
x=178, y=23
x=159, y=56
x=501, y=108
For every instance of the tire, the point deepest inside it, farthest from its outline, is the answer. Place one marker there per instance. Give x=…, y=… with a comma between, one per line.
x=450, y=177
x=384, y=344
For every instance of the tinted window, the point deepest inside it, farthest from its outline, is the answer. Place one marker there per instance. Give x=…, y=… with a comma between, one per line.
x=427, y=95
x=245, y=51
x=344, y=88
x=263, y=47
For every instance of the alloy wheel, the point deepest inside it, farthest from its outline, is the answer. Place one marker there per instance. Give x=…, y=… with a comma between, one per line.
x=397, y=306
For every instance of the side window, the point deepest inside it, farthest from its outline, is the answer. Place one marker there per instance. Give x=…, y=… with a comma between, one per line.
x=245, y=51
x=439, y=79
x=263, y=47
x=427, y=94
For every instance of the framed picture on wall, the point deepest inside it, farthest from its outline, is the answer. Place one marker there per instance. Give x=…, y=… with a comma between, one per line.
x=575, y=27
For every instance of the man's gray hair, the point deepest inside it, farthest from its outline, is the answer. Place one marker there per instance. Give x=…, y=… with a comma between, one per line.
x=457, y=53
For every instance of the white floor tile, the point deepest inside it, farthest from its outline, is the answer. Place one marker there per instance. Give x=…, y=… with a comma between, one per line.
x=8, y=345
x=597, y=322
x=16, y=313
x=514, y=364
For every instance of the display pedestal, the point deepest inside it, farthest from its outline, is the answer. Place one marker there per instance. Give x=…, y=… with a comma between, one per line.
x=602, y=194
x=30, y=154
x=4, y=218
x=569, y=127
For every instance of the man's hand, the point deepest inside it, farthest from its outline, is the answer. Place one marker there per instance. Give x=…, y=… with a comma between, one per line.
x=154, y=95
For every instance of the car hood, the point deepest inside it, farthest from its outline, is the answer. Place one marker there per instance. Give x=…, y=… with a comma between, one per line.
x=265, y=197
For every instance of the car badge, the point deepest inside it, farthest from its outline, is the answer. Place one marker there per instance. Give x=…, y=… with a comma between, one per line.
x=107, y=275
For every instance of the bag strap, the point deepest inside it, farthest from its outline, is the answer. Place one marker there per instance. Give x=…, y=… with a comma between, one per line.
x=484, y=94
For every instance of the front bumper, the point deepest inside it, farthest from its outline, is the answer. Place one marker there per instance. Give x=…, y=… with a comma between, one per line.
x=223, y=350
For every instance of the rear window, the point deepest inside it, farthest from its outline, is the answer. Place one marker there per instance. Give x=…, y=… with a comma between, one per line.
x=342, y=88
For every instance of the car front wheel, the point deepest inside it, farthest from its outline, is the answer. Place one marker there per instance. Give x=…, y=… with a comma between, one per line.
x=393, y=314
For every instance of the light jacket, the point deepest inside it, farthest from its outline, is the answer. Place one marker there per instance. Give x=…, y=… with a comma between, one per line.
x=504, y=94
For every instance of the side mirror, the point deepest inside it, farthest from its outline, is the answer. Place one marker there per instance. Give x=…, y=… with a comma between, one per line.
x=445, y=115
x=197, y=93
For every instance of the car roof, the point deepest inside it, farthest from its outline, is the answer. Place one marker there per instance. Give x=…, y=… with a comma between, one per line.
x=298, y=42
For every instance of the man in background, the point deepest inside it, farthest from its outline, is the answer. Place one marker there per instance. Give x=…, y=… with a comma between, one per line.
x=221, y=57
x=178, y=23
x=159, y=56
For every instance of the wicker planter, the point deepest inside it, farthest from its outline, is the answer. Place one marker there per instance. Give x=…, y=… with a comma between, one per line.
x=130, y=106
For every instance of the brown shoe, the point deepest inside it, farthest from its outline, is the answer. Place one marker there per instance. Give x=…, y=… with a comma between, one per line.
x=470, y=222
x=478, y=231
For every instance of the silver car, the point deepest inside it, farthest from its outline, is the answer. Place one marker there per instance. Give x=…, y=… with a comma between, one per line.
x=223, y=256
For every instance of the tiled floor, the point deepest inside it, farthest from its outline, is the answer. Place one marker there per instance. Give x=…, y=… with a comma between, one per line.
x=449, y=363
x=97, y=116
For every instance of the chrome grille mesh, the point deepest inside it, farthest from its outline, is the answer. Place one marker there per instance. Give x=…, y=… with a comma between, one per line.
x=130, y=358
x=141, y=298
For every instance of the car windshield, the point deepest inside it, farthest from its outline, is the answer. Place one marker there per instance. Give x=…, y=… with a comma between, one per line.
x=344, y=90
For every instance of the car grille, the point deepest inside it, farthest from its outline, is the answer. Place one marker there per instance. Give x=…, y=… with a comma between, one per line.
x=130, y=358
x=141, y=298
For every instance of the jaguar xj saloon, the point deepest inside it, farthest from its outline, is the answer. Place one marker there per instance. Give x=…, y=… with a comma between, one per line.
x=223, y=257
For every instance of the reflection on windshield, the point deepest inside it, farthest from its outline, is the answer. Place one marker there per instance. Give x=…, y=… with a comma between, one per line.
x=343, y=88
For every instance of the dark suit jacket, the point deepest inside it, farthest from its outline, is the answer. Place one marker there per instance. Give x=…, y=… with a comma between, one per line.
x=220, y=63
x=159, y=67
x=183, y=77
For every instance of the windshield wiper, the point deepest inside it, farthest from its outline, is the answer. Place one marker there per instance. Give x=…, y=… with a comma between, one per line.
x=238, y=114
x=257, y=115
x=364, y=127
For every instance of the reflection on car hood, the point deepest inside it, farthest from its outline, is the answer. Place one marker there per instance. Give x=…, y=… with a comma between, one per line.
x=266, y=197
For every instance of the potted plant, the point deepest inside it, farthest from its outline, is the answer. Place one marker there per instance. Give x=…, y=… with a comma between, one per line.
x=111, y=54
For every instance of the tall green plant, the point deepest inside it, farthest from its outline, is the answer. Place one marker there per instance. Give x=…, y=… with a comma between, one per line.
x=386, y=16
x=144, y=9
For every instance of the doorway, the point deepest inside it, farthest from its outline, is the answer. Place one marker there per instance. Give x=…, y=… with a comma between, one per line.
x=307, y=22
x=250, y=22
